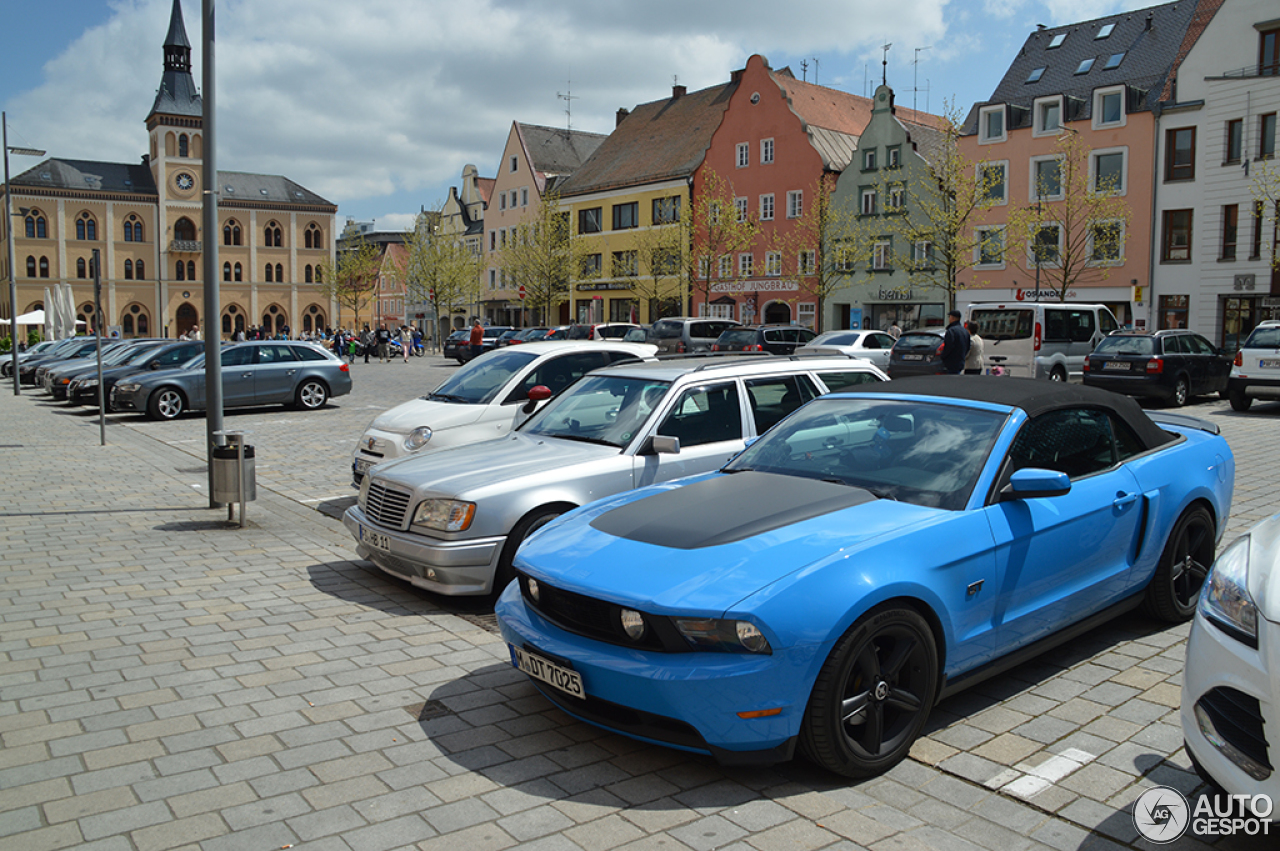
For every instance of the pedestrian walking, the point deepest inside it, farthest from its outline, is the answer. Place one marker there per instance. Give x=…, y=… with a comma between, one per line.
x=955, y=345
x=974, y=362
x=406, y=343
x=477, y=339
x=366, y=341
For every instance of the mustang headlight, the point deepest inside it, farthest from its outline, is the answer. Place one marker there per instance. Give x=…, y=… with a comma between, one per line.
x=1225, y=597
x=446, y=515
x=418, y=438
x=733, y=636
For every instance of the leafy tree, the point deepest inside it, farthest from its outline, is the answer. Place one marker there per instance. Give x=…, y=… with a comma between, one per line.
x=1265, y=188
x=351, y=278
x=659, y=250
x=541, y=255
x=713, y=233
x=1077, y=237
x=441, y=269
x=827, y=241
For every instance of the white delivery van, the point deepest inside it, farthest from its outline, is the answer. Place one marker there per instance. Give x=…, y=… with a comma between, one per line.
x=1041, y=339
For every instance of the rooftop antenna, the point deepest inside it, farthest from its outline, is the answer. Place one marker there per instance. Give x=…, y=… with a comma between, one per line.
x=816, y=65
x=804, y=70
x=915, y=80
x=568, y=97
x=884, y=63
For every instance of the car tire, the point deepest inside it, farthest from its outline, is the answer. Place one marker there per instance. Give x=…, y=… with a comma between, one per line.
x=1184, y=564
x=1058, y=374
x=167, y=403
x=530, y=523
x=885, y=665
x=1239, y=400
x=1181, y=392
x=312, y=394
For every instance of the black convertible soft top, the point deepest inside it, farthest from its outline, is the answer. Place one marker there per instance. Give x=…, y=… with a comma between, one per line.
x=1033, y=396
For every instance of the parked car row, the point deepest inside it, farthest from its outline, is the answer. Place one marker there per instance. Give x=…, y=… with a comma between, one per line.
x=166, y=378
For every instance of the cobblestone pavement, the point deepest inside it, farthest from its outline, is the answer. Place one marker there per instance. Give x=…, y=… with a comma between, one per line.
x=168, y=680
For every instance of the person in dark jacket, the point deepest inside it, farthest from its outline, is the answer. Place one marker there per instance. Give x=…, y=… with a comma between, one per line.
x=955, y=345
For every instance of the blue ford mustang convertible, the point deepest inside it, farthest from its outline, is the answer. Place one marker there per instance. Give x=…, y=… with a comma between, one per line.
x=870, y=554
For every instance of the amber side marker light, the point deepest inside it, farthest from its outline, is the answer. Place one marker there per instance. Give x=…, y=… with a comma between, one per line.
x=760, y=713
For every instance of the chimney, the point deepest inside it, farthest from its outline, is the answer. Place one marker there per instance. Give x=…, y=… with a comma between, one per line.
x=1150, y=15
x=678, y=92
x=622, y=114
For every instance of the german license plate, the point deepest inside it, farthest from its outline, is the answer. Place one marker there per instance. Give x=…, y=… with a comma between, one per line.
x=541, y=668
x=362, y=466
x=377, y=540
x=1116, y=366
x=913, y=357
x=1269, y=363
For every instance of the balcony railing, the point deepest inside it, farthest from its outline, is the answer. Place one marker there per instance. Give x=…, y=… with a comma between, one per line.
x=188, y=246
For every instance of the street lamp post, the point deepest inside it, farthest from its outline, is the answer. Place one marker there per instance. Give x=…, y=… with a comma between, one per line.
x=8, y=231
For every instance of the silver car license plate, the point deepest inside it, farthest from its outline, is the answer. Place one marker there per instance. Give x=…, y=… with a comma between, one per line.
x=541, y=668
x=362, y=466
x=377, y=540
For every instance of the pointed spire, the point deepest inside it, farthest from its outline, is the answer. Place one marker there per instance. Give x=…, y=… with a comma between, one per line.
x=177, y=94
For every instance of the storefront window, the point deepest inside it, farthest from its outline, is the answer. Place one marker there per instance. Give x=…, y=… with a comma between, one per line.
x=1237, y=321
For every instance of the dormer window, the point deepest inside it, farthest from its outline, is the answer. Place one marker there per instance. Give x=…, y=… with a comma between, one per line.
x=991, y=124
x=1057, y=41
x=1048, y=116
x=1104, y=31
x=1036, y=74
x=1108, y=107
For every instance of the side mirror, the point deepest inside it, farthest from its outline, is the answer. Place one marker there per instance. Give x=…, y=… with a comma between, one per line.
x=537, y=393
x=1032, y=482
x=661, y=444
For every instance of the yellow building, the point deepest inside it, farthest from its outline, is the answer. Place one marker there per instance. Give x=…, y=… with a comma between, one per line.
x=626, y=202
x=145, y=221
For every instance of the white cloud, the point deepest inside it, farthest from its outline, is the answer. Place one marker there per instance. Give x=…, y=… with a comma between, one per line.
x=390, y=98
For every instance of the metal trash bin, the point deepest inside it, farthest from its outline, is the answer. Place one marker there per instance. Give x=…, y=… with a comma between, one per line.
x=234, y=466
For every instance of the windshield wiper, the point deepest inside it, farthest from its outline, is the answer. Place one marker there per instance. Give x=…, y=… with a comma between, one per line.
x=446, y=397
x=581, y=438
x=737, y=470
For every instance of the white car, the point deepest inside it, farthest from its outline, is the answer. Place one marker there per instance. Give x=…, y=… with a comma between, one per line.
x=485, y=398
x=1255, y=373
x=872, y=345
x=1231, y=685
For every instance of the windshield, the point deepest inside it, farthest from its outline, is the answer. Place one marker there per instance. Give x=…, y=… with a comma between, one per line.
x=603, y=409
x=1126, y=346
x=922, y=453
x=478, y=382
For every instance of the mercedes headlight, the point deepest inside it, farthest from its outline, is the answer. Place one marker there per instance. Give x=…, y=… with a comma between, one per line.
x=733, y=636
x=418, y=438
x=363, y=499
x=445, y=515
x=1225, y=597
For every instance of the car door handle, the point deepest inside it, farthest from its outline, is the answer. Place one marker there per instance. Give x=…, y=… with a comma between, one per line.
x=1124, y=499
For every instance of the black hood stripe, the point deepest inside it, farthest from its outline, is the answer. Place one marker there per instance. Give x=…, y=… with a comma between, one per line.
x=725, y=509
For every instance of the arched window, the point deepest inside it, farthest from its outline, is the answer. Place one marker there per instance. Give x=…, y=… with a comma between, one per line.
x=144, y=325
x=44, y=267
x=239, y=272
x=270, y=274
x=306, y=273
x=184, y=229
x=126, y=325
x=191, y=270
x=231, y=233
x=42, y=231
x=226, y=272
x=138, y=269
x=128, y=270
x=226, y=323
x=86, y=227
x=80, y=268
x=272, y=235
x=319, y=276
x=31, y=267
x=128, y=231
x=279, y=274
x=183, y=145
x=132, y=229
x=181, y=269
x=312, y=237
x=31, y=227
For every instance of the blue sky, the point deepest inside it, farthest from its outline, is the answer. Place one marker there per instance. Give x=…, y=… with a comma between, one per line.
x=378, y=105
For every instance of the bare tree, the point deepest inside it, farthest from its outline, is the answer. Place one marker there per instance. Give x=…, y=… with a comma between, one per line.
x=659, y=250
x=351, y=278
x=541, y=255
x=1075, y=235
x=714, y=229
x=441, y=270
x=825, y=244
